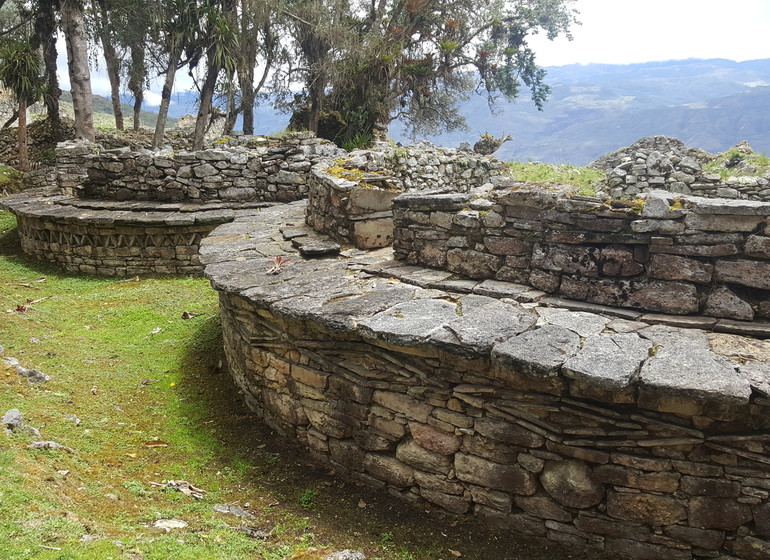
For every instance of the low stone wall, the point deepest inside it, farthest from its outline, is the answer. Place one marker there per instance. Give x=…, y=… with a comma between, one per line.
x=264, y=169
x=350, y=199
x=614, y=435
x=683, y=255
x=658, y=162
x=110, y=238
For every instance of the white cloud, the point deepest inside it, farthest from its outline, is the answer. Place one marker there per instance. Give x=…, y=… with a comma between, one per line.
x=614, y=32
x=152, y=99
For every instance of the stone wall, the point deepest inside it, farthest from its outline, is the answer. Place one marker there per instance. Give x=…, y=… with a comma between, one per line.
x=350, y=199
x=566, y=425
x=682, y=255
x=264, y=169
x=110, y=238
x=658, y=162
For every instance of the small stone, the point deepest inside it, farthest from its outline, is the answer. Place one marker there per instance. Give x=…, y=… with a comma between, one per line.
x=572, y=484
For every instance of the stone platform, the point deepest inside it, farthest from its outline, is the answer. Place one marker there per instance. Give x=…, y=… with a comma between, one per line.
x=114, y=238
x=603, y=428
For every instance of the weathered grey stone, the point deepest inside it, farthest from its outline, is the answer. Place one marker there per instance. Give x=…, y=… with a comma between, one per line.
x=509, y=478
x=482, y=321
x=450, y=502
x=389, y=469
x=543, y=506
x=750, y=548
x=702, y=538
x=411, y=453
x=667, y=297
x=722, y=302
x=507, y=432
x=631, y=478
x=584, y=324
x=567, y=259
x=409, y=323
x=403, y=404
x=717, y=513
x=572, y=484
x=204, y=170
x=755, y=274
x=346, y=555
x=433, y=439
x=727, y=222
x=602, y=525
x=673, y=267
x=473, y=264
x=757, y=246
x=611, y=363
x=537, y=354
x=650, y=509
x=701, y=376
x=711, y=487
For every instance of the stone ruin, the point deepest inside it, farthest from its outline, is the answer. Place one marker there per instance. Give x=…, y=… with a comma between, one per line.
x=522, y=358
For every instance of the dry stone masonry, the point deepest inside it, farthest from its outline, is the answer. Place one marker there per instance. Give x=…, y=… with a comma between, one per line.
x=246, y=169
x=592, y=431
x=123, y=213
x=659, y=162
x=350, y=199
x=663, y=253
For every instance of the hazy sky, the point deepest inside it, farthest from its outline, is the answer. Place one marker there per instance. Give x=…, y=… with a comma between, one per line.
x=627, y=31
x=623, y=32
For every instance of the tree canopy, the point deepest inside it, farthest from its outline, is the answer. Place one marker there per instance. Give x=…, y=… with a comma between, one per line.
x=366, y=62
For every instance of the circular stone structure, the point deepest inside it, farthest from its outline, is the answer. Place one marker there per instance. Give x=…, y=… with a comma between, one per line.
x=472, y=394
x=112, y=238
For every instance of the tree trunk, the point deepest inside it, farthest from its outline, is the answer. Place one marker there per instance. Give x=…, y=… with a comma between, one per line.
x=76, y=38
x=113, y=73
x=46, y=27
x=204, y=109
x=165, y=97
x=23, y=151
x=136, y=81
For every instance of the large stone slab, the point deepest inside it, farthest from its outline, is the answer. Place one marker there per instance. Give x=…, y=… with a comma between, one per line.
x=409, y=323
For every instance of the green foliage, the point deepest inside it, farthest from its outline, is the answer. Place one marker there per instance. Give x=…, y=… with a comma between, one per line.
x=358, y=141
x=20, y=69
x=307, y=499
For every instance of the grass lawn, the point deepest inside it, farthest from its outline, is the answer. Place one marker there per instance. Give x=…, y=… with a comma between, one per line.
x=137, y=393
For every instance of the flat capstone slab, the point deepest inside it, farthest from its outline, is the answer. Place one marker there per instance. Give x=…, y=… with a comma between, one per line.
x=48, y=202
x=354, y=293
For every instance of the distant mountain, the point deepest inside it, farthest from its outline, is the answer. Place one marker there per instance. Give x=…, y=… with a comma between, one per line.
x=597, y=108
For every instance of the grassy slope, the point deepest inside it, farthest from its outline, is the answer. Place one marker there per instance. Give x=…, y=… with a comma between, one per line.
x=130, y=387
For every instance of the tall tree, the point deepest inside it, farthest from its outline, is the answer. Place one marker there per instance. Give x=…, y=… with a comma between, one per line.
x=415, y=59
x=108, y=37
x=20, y=72
x=258, y=42
x=175, y=30
x=221, y=42
x=76, y=38
x=44, y=37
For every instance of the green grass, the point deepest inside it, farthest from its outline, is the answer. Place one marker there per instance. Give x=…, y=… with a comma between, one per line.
x=726, y=164
x=131, y=389
x=585, y=178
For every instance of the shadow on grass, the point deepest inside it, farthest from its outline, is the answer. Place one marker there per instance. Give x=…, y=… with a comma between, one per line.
x=341, y=512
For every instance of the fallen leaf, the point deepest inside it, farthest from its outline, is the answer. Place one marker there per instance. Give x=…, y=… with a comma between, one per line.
x=155, y=443
x=361, y=504
x=455, y=553
x=188, y=315
x=63, y=472
x=132, y=455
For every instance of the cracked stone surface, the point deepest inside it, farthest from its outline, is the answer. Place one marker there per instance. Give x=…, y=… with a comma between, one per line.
x=378, y=299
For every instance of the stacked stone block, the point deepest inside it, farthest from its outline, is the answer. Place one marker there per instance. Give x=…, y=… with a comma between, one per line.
x=264, y=169
x=608, y=434
x=358, y=210
x=678, y=255
x=659, y=162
